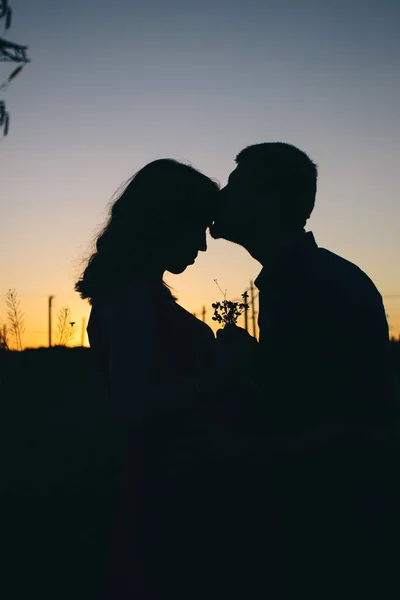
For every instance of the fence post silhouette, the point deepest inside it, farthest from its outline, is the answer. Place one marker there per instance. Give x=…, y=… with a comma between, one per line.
x=246, y=320
x=253, y=309
x=50, y=332
x=83, y=331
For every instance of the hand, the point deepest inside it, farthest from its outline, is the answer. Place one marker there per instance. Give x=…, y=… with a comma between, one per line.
x=236, y=353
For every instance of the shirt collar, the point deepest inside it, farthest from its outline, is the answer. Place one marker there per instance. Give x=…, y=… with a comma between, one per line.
x=288, y=263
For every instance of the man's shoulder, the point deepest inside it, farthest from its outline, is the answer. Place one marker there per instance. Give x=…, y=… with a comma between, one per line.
x=340, y=276
x=336, y=266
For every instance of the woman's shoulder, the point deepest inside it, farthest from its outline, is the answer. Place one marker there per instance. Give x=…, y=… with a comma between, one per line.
x=201, y=326
x=132, y=310
x=139, y=292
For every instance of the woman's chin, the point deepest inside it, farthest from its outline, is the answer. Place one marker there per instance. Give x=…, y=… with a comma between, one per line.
x=178, y=269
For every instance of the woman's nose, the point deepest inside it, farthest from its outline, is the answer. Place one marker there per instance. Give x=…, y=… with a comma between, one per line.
x=203, y=244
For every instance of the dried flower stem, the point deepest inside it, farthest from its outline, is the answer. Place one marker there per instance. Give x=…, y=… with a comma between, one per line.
x=15, y=317
x=66, y=328
x=223, y=293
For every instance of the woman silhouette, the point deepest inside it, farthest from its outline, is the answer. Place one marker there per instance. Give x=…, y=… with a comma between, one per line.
x=155, y=358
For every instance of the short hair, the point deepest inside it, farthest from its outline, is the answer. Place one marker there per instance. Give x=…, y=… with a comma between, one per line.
x=290, y=173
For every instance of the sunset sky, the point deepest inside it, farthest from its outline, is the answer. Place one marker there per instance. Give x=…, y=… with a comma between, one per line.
x=114, y=85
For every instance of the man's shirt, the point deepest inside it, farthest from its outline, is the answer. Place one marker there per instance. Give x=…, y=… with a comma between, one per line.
x=324, y=342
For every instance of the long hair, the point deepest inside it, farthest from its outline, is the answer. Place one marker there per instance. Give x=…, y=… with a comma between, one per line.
x=156, y=203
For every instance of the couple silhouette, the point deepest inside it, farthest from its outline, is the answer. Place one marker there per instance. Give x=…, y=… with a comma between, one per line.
x=257, y=470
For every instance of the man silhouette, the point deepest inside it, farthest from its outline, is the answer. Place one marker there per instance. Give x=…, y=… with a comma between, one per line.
x=324, y=373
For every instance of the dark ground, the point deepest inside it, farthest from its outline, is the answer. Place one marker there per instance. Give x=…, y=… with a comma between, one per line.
x=60, y=458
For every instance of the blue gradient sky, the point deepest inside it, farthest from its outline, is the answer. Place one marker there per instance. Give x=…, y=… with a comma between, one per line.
x=114, y=85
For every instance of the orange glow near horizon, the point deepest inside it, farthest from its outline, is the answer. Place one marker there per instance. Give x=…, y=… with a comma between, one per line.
x=195, y=288
x=36, y=316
